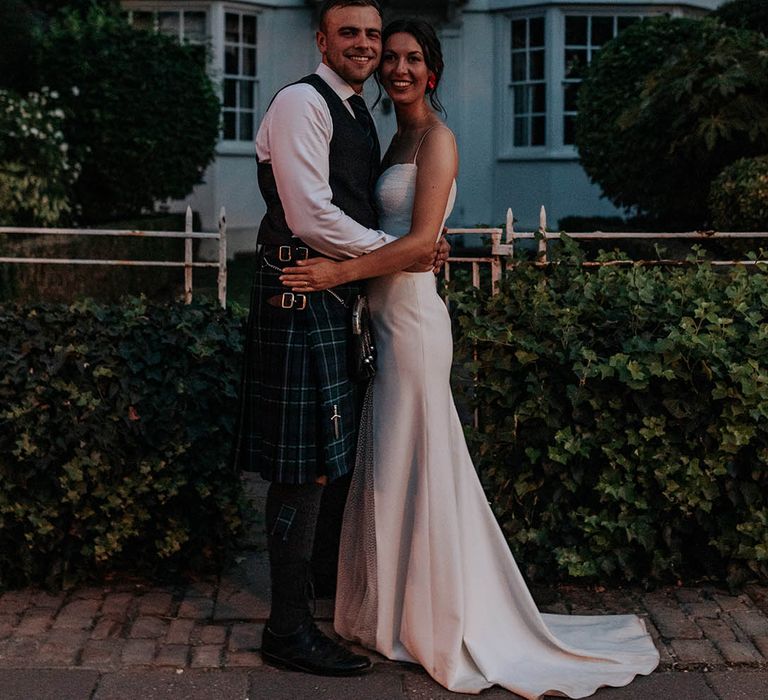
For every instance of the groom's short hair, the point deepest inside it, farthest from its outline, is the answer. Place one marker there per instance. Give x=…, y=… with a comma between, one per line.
x=328, y=5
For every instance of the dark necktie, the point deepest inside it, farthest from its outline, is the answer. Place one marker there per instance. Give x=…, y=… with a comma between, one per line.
x=362, y=115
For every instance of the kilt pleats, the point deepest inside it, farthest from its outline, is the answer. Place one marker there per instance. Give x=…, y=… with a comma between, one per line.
x=299, y=410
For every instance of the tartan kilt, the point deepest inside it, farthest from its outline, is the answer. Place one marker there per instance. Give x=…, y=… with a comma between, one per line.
x=295, y=378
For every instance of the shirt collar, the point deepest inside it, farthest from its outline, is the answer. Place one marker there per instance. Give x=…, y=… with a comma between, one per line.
x=340, y=86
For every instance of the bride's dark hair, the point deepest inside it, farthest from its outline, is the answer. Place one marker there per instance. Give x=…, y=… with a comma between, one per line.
x=425, y=36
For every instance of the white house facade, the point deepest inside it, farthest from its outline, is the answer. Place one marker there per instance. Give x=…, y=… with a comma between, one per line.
x=512, y=71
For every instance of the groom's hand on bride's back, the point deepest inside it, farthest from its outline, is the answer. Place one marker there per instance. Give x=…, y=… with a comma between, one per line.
x=436, y=259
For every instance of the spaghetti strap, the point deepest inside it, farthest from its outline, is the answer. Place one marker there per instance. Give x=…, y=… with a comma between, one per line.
x=424, y=136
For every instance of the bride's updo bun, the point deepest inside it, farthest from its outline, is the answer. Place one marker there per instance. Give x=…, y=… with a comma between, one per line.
x=425, y=36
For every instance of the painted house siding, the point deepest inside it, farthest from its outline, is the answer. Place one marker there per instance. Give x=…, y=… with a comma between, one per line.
x=496, y=173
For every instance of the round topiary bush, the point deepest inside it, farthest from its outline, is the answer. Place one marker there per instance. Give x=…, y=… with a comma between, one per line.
x=143, y=116
x=745, y=14
x=665, y=107
x=738, y=198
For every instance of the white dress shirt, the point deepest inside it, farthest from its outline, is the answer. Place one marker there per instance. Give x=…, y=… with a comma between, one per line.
x=295, y=137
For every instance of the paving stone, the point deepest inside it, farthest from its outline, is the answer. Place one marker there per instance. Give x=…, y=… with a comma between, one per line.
x=688, y=595
x=138, y=652
x=201, y=589
x=117, y=606
x=673, y=624
x=267, y=682
x=77, y=614
x=196, y=608
x=666, y=660
x=62, y=647
x=34, y=622
x=19, y=652
x=208, y=656
x=6, y=627
x=243, y=659
x=155, y=603
x=210, y=634
x=758, y=595
x=705, y=608
x=46, y=599
x=674, y=686
x=732, y=602
x=739, y=653
x=753, y=622
x=716, y=630
x=166, y=684
x=581, y=601
x=243, y=593
x=620, y=602
x=87, y=593
x=245, y=636
x=102, y=653
x=696, y=652
x=14, y=602
x=176, y=655
x=179, y=631
x=43, y=684
x=149, y=628
x=323, y=609
x=762, y=645
x=107, y=628
x=731, y=685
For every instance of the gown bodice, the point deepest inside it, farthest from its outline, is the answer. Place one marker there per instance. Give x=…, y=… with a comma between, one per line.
x=394, y=195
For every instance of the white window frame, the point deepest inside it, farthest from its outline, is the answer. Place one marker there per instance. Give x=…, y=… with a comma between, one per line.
x=156, y=7
x=554, y=70
x=238, y=145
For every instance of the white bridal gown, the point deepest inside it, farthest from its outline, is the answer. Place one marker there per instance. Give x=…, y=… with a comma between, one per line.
x=425, y=574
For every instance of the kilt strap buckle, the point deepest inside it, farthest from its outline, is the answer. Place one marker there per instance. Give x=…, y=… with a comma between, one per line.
x=289, y=301
x=288, y=253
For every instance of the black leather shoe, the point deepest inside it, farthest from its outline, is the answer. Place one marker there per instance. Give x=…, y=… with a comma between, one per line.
x=310, y=651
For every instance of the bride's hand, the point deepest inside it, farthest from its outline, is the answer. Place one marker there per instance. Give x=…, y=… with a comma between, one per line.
x=312, y=275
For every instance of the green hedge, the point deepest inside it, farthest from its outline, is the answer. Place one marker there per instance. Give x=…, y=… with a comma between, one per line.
x=624, y=418
x=116, y=425
x=738, y=197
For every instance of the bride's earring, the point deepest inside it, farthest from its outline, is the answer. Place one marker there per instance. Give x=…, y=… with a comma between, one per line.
x=431, y=82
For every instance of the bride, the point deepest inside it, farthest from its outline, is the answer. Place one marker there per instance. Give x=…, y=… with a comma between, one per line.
x=425, y=574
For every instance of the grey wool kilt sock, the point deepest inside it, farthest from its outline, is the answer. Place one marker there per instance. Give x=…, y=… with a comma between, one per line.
x=291, y=520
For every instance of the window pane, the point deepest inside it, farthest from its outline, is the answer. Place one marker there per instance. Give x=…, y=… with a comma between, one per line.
x=194, y=27
x=246, y=94
x=570, y=96
x=519, y=40
x=602, y=30
x=144, y=21
x=575, y=30
x=569, y=130
x=519, y=64
x=231, y=63
x=246, y=126
x=537, y=65
x=230, y=131
x=539, y=97
x=168, y=23
x=624, y=22
x=575, y=62
x=249, y=29
x=522, y=104
x=521, y=131
x=230, y=93
x=538, y=131
x=232, y=27
x=249, y=62
x=536, y=32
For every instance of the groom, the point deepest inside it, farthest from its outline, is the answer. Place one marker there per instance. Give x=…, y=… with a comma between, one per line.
x=318, y=160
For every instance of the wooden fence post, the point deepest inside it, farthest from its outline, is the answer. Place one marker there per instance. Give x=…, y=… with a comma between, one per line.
x=543, y=231
x=222, y=278
x=188, y=257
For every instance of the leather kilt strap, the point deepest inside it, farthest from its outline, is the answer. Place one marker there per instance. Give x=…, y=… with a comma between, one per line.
x=283, y=254
x=290, y=301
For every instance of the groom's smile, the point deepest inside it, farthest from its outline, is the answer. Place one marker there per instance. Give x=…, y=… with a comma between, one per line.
x=350, y=41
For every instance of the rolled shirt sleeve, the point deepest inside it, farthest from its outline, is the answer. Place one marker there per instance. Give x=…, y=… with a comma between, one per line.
x=295, y=138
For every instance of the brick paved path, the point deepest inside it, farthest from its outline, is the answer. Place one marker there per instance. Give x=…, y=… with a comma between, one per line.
x=216, y=623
